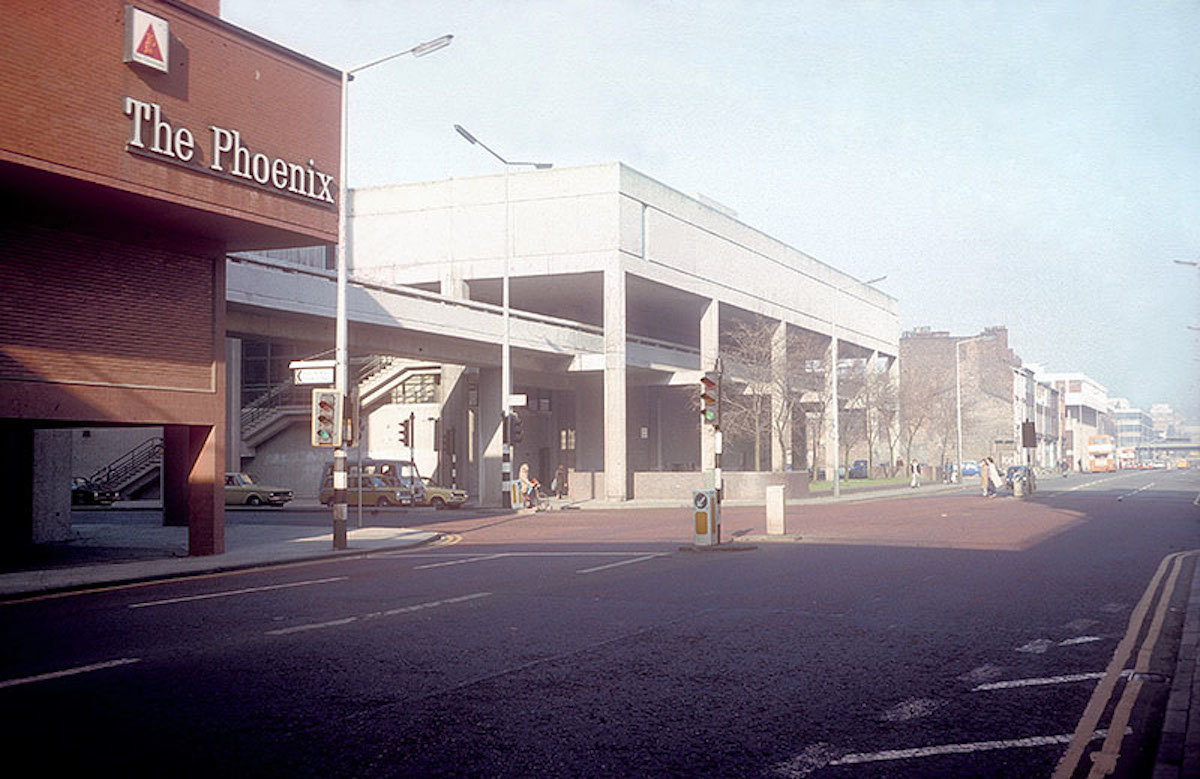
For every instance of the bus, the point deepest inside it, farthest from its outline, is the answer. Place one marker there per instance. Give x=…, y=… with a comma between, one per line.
x=1127, y=458
x=1101, y=455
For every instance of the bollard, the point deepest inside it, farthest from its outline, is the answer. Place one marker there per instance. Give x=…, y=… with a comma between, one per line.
x=776, y=510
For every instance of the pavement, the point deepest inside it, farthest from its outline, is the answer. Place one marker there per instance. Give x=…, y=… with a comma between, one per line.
x=110, y=553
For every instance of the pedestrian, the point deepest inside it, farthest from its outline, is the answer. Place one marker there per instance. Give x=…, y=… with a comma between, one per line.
x=916, y=474
x=559, y=485
x=985, y=477
x=994, y=476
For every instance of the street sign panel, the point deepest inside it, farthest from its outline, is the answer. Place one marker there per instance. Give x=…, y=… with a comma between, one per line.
x=313, y=376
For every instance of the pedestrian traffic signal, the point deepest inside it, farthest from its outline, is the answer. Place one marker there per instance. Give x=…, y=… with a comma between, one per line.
x=515, y=433
x=710, y=398
x=326, y=417
x=406, y=432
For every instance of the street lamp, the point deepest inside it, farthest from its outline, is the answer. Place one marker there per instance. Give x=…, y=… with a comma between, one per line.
x=958, y=391
x=837, y=437
x=506, y=344
x=340, y=344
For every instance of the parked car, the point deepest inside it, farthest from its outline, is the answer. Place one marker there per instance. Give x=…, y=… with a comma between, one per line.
x=970, y=468
x=860, y=470
x=441, y=497
x=376, y=490
x=87, y=493
x=1023, y=472
x=241, y=490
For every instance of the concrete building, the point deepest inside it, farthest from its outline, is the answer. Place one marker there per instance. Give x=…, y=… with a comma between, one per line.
x=623, y=291
x=1086, y=402
x=138, y=146
x=1133, y=426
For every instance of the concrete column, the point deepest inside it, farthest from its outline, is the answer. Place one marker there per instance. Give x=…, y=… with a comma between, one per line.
x=233, y=403
x=51, y=485
x=16, y=476
x=616, y=459
x=780, y=408
x=194, y=485
x=710, y=340
x=491, y=435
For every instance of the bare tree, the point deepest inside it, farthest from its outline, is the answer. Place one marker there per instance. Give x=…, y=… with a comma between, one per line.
x=766, y=395
x=880, y=402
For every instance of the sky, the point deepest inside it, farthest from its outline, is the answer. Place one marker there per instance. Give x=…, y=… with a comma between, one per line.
x=1028, y=164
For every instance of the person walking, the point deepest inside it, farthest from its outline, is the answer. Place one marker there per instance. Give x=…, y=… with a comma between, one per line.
x=985, y=477
x=916, y=474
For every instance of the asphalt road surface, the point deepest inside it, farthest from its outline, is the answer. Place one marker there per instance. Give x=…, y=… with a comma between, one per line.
x=949, y=635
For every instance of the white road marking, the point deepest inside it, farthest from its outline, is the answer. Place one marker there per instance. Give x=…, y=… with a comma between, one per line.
x=913, y=708
x=375, y=615
x=1066, y=679
x=1135, y=492
x=1036, y=647
x=958, y=749
x=818, y=756
x=229, y=593
x=462, y=561
x=1080, y=640
x=984, y=673
x=83, y=669
x=619, y=564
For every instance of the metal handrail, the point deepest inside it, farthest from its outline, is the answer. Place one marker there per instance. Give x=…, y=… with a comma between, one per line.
x=129, y=465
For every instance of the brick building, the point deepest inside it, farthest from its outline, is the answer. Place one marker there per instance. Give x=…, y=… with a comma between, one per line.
x=997, y=395
x=138, y=145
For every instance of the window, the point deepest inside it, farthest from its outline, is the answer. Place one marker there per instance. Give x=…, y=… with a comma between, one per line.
x=421, y=388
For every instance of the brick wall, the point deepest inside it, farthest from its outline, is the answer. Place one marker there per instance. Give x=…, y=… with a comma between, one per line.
x=62, y=107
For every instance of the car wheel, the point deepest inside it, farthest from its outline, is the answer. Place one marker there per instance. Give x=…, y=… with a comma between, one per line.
x=253, y=500
x=383, y=503
x=437, y=503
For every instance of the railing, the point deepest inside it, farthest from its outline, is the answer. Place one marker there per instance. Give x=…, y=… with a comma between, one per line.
x=264, y=408
x=130, y=465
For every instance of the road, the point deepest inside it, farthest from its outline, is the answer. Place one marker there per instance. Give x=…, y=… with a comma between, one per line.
x=948, y=635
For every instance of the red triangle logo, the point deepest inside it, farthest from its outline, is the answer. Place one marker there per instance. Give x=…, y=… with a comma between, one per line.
x=149, y=45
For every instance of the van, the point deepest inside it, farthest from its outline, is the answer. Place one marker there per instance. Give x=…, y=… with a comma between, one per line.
x=403, y=471
x=376, y=490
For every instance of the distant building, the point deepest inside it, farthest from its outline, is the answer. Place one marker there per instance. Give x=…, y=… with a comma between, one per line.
x=993, y=396
x=1087, y=404
x=1133, y=426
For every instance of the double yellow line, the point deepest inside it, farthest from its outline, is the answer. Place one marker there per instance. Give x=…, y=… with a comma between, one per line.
x=1104, y=761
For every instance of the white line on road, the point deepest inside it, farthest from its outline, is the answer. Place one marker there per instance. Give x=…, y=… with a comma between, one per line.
x=1066, y=679
x=818, y=756
x=229, y=593
x=620, y=563
x=83, y=669
x=1135, y=492
x=462, y=561
x=376, y=614
x=958, y=749
x=1080, y=640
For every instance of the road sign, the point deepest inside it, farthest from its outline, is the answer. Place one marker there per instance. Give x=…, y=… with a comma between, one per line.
x=313, y=371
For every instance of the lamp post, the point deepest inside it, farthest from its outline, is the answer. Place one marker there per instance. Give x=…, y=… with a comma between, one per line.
x=833, y=349
x=340, y=343
x=958, y=391
x=506, y=343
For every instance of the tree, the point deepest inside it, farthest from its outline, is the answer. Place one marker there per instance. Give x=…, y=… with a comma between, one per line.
x=764, y=396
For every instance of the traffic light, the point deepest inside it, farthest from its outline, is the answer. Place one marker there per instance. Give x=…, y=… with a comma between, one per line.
x=326, y=417
x=515, y=433
x=406, y=432
x=710, y=398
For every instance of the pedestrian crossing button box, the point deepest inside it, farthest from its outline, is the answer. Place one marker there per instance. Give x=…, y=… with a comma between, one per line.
x=707, y=515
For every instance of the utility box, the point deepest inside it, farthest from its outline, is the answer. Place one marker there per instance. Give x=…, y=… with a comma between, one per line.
x=776, y=510
x=708, y=518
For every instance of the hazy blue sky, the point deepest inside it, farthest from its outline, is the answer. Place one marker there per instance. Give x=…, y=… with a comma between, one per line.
x=1031, y=164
